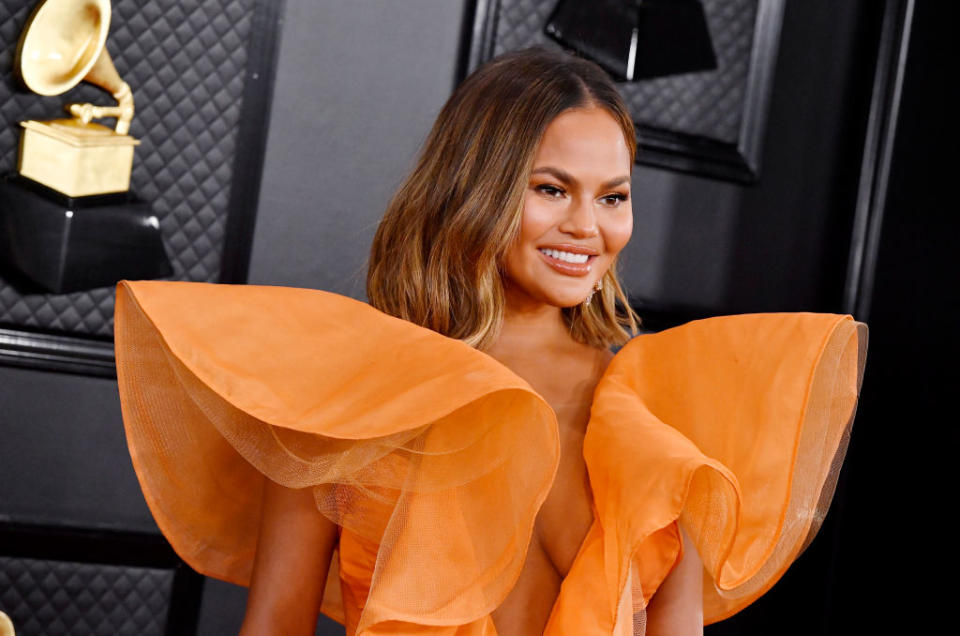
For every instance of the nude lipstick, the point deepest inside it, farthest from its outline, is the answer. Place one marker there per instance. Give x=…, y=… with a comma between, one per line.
x=571, y=260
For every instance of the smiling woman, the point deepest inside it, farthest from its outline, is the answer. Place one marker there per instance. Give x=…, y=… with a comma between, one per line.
x=502, y=235
x=576, y=219
x=530, y=141
x=467, y=456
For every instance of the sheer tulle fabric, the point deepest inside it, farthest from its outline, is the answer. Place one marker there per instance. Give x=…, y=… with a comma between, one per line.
x=759, y=409
x=411, y=441
x=434, y=458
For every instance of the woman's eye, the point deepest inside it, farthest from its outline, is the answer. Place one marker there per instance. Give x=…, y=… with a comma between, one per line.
x=549, y=190
x=613, y=200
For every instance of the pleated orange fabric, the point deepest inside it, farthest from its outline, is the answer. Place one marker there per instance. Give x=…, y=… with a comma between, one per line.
x=434, y=458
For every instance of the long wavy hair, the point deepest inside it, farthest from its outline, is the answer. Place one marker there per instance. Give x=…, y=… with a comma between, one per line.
x=437, y=257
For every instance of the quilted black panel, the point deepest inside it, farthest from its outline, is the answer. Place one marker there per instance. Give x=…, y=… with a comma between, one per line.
x=707, y=104
x=186, y=61
x=57, y=597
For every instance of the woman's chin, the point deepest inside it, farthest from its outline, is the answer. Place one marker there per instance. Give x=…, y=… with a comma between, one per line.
x=565, y=301
x=562, y=296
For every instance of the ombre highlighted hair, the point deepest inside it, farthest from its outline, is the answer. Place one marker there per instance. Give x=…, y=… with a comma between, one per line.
x=437, y=258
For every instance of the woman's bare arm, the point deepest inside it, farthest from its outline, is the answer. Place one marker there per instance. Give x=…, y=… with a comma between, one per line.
x=290, y=569
x=676, y=608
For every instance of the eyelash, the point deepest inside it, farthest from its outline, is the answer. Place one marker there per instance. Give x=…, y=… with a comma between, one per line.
x=549, y=189
x=552, y=191
x=619, y=197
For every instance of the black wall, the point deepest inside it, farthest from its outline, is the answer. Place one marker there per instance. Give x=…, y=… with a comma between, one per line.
x=892, y=546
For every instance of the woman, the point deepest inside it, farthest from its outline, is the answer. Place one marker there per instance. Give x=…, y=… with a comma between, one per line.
x=418, y=484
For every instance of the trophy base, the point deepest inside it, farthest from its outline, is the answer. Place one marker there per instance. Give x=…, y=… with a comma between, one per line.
x=58, y=244
x=74, y=158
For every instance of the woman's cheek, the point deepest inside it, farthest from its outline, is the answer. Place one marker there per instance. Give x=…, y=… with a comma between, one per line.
x=537, y=219
x=617, y=232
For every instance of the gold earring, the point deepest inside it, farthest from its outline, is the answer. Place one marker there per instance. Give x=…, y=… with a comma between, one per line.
x=596, y=287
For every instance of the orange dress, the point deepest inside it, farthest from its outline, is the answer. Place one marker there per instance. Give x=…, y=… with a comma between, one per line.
x=434, y=458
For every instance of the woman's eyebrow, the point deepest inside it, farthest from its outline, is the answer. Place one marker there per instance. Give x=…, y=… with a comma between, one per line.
x=568, y=179
x=561, y=175
x=612, y=183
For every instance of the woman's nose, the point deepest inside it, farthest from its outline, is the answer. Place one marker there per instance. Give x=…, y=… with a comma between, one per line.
x=581, y=221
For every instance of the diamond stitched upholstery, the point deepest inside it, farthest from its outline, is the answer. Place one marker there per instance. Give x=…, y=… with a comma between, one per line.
x=186, y=61
x=56, y=597
x=707, y=104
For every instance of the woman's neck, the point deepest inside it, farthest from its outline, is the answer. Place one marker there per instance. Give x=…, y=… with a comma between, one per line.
x=530, y=325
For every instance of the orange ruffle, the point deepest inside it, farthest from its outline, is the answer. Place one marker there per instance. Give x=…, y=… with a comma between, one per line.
x=434, y=458
x=414, y=443
x=736, y=427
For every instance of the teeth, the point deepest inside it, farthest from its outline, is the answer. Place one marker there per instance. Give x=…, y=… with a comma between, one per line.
x=568, y=257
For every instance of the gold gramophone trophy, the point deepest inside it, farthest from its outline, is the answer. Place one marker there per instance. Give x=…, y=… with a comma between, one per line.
x=63, y=43
x=68, y=221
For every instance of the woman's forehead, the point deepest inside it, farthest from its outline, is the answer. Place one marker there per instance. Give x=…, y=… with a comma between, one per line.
x=585, y=140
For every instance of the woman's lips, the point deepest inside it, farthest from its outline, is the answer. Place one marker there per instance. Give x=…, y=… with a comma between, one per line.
x=564, y=267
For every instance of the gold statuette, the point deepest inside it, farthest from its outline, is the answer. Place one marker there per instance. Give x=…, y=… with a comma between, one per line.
x=63, y=44
x=6, y=625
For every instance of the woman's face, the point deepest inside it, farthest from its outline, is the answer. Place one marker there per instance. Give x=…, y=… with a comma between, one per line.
x=576, y=211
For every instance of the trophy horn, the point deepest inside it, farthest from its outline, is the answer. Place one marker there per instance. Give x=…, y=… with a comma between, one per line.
x=64, y=43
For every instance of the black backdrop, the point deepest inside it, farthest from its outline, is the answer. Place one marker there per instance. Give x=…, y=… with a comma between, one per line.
x=883, y=557
x=201, y=73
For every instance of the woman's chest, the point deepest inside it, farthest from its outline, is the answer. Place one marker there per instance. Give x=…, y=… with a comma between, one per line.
x=561, y=526
x=567, y=512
